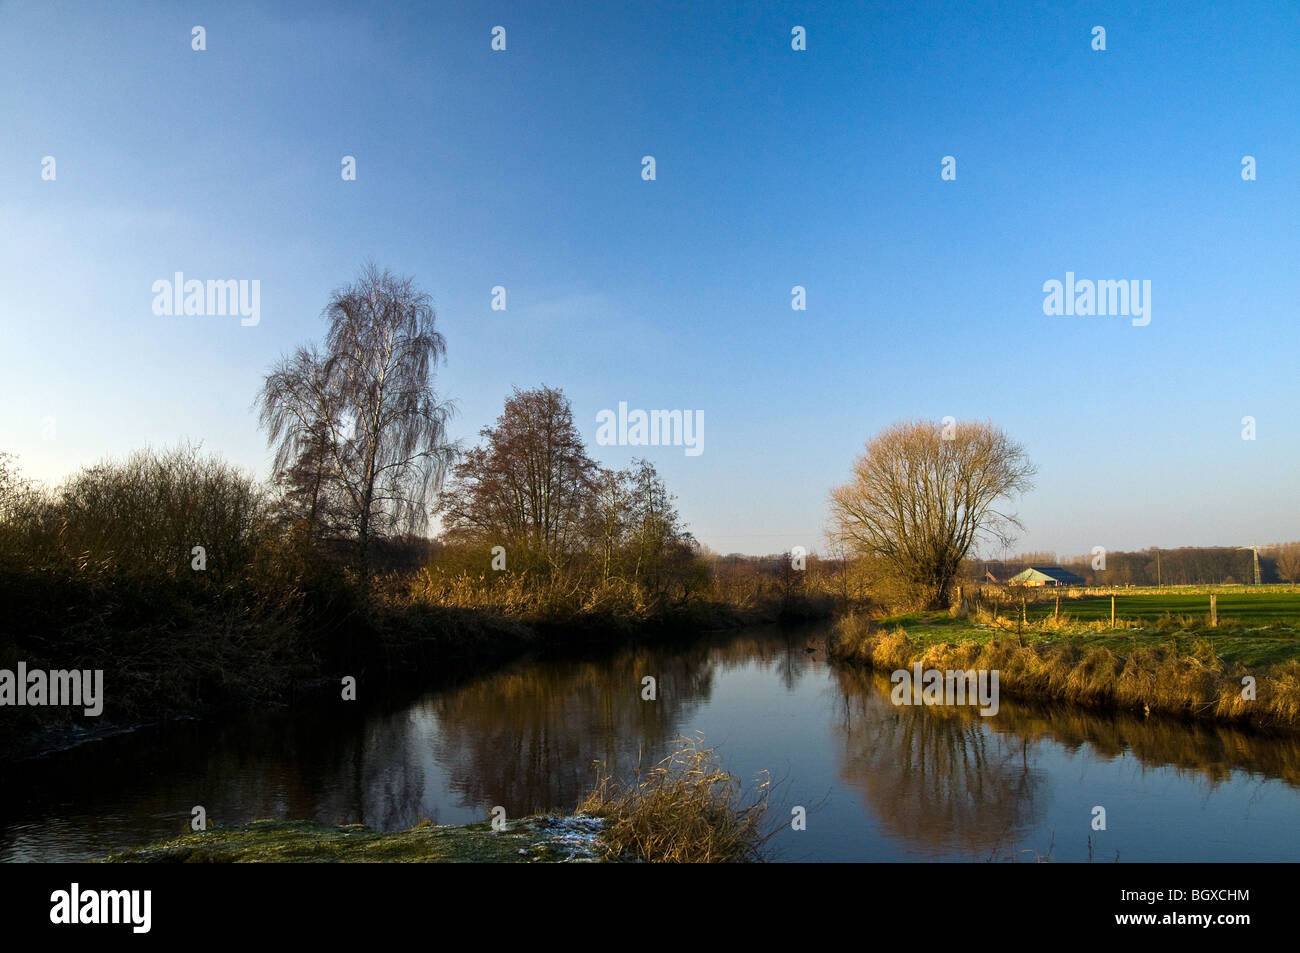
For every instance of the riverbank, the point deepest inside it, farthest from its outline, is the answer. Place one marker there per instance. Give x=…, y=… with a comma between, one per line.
x=1174, y=667
x=176, y=658
x=684, y=809
x=545, y=839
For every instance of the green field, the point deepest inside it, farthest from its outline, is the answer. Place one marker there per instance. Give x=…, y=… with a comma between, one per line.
x=1252, y=609
x=1256, y=630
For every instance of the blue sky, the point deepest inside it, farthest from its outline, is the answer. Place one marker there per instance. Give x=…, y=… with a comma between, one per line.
x=775, y=168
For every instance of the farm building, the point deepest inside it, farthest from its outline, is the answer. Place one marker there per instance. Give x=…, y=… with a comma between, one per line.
x=1046, y=576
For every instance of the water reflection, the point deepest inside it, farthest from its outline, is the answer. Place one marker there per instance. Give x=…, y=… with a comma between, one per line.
x=934, y=774
x=934, y=782
x=951, y=781
x=529, y=739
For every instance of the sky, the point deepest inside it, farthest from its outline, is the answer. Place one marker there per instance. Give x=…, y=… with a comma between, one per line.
x=773, y=168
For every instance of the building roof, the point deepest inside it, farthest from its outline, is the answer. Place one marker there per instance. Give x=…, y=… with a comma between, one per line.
x=1047, y=574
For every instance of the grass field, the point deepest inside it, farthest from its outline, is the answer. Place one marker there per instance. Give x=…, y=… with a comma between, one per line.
x=1258, y=628
x=1268, y=605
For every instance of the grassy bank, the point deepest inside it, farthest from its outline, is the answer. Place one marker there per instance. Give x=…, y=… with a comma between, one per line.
x=1172, y=665
x=528, y=840
x=171, y=650
x=686, y=809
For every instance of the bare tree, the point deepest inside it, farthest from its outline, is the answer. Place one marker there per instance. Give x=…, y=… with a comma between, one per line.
x=655, y=536
x=609, y=518
x=302, y=412
x=920, y=497
x=12, y=487
x=1288, y=562
x=361, y=423
x=531, y=484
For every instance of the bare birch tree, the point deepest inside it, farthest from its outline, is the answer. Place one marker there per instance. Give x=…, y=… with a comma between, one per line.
x=360, y=424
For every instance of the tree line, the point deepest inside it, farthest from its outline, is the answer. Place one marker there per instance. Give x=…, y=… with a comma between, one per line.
x=362, y=454
x=1181, y=566
x=364, y=468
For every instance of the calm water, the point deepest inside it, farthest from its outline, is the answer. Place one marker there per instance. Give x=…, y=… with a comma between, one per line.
x=879, y=782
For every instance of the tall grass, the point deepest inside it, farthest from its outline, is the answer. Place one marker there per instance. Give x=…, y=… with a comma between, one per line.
x=686, y=809
x=715, y=594
x=525, y=595
x=1151, y=679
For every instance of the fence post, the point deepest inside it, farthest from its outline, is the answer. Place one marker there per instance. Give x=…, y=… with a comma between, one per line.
x=1112, y=610
x=1214, y=612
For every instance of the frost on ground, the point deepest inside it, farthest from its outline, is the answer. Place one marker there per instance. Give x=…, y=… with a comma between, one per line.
x=575, y=838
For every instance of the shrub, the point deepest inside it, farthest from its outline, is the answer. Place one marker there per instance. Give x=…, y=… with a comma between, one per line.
x=684, y=810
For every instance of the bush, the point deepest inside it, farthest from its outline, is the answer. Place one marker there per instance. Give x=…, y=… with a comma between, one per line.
x=685, y=810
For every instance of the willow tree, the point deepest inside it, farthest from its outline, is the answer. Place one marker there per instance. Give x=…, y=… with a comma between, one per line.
x=921, y=496
x=358, y=425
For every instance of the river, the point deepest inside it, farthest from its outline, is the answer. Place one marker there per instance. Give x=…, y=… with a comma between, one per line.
x=878, y=782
